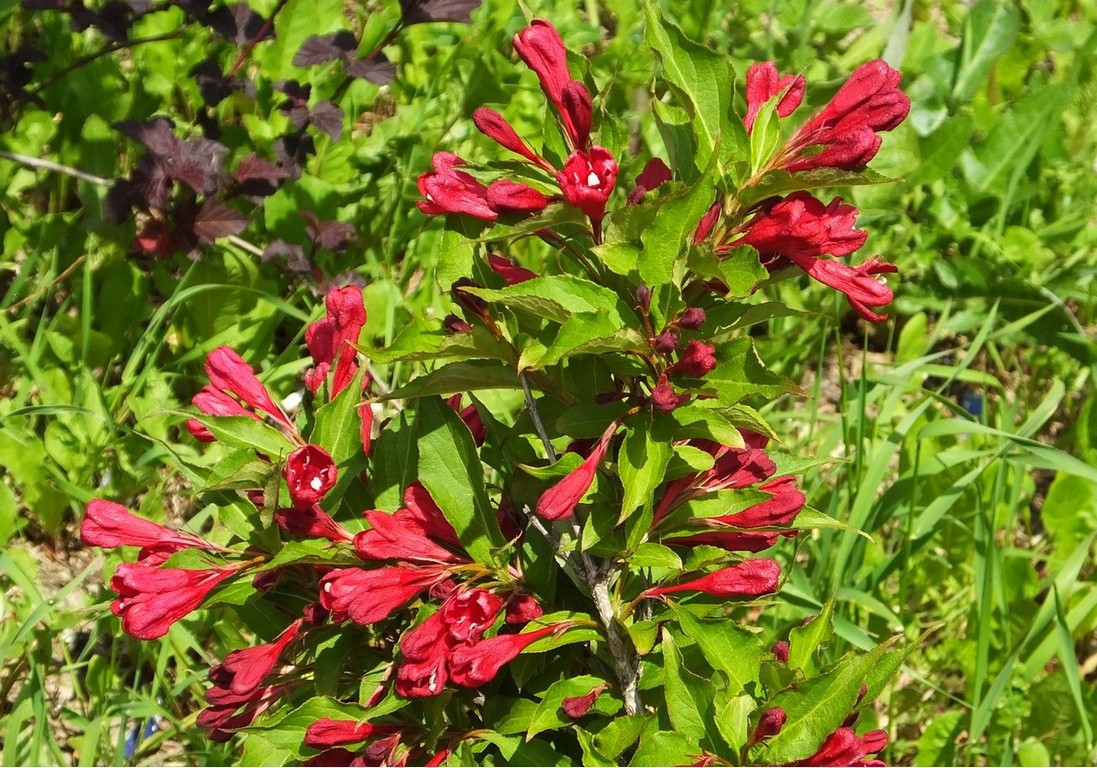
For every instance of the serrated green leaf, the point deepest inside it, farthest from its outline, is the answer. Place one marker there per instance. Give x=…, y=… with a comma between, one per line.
x=556, y=297
x=679, y=685
x=246, y=432
x=740, y=373
x=618, y=735
x=653, y=555
x=805, y=640
x=548, y=714
x=450, y=469
x=666, y=748
x=725, y=646
x=239, y=470
x=698, y=421
x=642, y=463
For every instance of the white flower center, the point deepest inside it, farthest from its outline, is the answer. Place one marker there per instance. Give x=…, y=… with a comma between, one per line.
x=316, y=483
x=593, y=180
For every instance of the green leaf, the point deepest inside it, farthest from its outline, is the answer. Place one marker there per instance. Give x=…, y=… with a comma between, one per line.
x=306, y=551
x=740, y=373
x=667, y=238
x=394, y=462
x=705, y=423
x=666, y=748
x=588, y=420
x=726, y=647
x=246, y=432
x=990, y=30
x=465, y=376
x=653, y=555
x=702, y=79
x=731, y=715
x=680, y=689
x=782, y=182
x=450, y=469
x=816, y=708
x=548, y=714
x=805, y=640
x=939, y=153
x=240, y=470
x=428, y=340
x=591, y=334
x=556, y=298
x=641, y=462
x=619, y=734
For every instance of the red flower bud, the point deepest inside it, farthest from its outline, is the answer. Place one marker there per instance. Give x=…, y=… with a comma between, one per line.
x=696, y=361
x=311, y=522
x=780, y=509
x=523, y=609
x=110, y=525
x=310, y=473
x=473, y=665
x=151, y=599
x=242, y=671
x=399, y=537
x=508, y=270
x=732, y=541
x=541, y=48
x=559, y=501
x=577, y=706
x=327, y=732
x=469, y=613
x=749, y=578
x=587, y=180
x=655, y=174
x=451, y=191
x=370, y=596
x=494, y=126
x=666, y=342
x=215, y=403
x=663, y=396
x=330, y=337
x=780, y=651
x=843, y=747
x=420, y=506
x=454, y=324
x=763, y=84
x=707, y=223
x=800, y=227
x=229, y=373
x=577, y=113
x=512, y=198
x=692, y=319
x=769, y=724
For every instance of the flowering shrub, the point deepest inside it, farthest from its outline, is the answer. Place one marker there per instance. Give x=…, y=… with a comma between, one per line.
x=574, y=579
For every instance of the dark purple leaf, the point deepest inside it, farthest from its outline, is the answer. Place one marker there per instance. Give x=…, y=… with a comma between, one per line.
x=327, y=118
x=217, y=219
x=291, y=253
x=423, y=11
x=254, y=167
x=376, y=69
x=152, y=183
x=43, y=5
x=250, y=26
x=297, y=93
x=321, y=49
x=212, y=83
x=198, y=164
x=333, y=235
x=292, y=150
x=119, y=201
x=157, y=135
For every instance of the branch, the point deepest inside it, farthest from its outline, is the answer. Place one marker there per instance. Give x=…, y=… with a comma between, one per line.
x=531, y=406
x=49, y=165
x=625, y=662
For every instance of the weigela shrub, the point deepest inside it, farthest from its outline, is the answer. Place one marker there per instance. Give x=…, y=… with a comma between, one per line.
x=569, y=571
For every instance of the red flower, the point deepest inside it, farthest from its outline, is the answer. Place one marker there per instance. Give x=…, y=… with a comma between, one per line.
x=522, y=609
x=469, y=613
x=693, y=318
x=733, y=468
x=663, y=396
x=110, y=525
x=228, y=711
x=330, y=337
x=451, y=191
x=541, y=48
x=707, y=223
x=508, y=270
x=327, y=732
x=763, y=84
x=749, y=578
x=420, y=506
x=559, y=501
x=732, y=541
x=869, y=102
x=310, y=473
x=800, y=228
x=400, y=536
x=655, y=174
x=843, y=747
x=215, y=403
x=495, y=126
x=370, y=596
x=473, y=665
x=587, y=180
x=422, y=672
x=151, y=599
x=229, y=373
x=242, y=671
x=312, y=522
x=780, y=509
x=511, y=198
x=696, y=361
x=780, y=651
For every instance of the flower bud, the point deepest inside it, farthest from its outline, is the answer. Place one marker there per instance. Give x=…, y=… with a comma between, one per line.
x=750, y=578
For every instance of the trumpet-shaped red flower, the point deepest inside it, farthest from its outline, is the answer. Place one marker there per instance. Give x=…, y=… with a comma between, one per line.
x=663, y=396
x=215, y=403
x=473, y=665
x=844, y=747
x=868, y=102
x=400, y=536
x=655, y=174
x=107, y=524
x=541, y=47
x=367, y=597
x=469, y=613
x=587, y=180
x=327, y=732
x=425, y=650
x=495, y=126
x=749, y=578
x=229, y=373
x=312, y=522
x=763, y=83
x=512, y=198
x=799, y=229
x=310, y=473
x=228, y=711
x=448, y=190
x=508, y=270
x=243, y=671
x=151, y=599
x=329, y=339
x=559, y=501
x=780, y=509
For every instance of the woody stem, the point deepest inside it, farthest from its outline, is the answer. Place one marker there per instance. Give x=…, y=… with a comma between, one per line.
x=625, y=662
